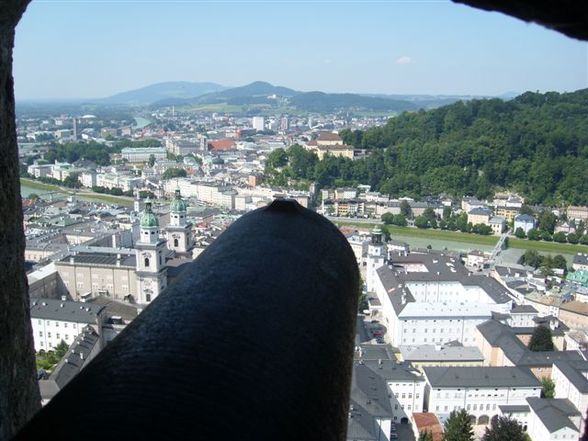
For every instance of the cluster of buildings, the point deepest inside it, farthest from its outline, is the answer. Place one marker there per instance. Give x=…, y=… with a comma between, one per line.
x=459, y=340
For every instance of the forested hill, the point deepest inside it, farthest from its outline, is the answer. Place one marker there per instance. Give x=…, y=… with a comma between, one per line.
x=536, y=144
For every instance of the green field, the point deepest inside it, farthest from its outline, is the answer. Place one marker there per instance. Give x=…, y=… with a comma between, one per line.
x=551, y=247
x=86, y=195
x=455, y=236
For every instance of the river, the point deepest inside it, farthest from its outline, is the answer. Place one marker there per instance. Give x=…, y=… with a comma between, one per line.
x=141, y=122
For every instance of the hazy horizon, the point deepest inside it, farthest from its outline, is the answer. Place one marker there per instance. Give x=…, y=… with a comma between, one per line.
x=89, y=50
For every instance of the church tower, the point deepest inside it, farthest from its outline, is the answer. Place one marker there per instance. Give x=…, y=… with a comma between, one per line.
x=375, y=258
x=179, y=236
x=151, y=270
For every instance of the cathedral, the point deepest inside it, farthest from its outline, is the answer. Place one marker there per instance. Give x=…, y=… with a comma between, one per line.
x=138, y=274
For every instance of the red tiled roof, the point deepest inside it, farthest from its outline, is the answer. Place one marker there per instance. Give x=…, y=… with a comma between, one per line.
x=221, y=145
x=328, y=136
x=429, y=422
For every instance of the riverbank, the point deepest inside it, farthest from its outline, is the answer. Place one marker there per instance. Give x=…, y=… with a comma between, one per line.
x=27, y=185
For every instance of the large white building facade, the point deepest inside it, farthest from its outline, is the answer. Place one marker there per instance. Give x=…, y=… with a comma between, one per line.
x=54, y=321
x=478, y=390
x=430, y=298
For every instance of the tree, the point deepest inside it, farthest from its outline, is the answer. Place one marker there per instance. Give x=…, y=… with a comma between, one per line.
x=559, y=261
x=174, y=173
x=61, y=349
x=458, y=427
x=520, y=233
x=573, y=238
x=534, y=234
x=277, y=159
x=548, y=387
x=559, y=237
x=399, y=220
x=531, y=258
x=541, y=340
x=421, y=222
x=405, y=209
x=388, y=218
x=504, y=429
x=72, y=181
x=547, y=221
x=525, y=209
x=446, y=213
x=34, y=197
x=151, y=160
x=425, y=435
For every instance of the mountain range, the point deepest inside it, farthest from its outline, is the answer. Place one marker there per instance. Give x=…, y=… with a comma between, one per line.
x=263, y=94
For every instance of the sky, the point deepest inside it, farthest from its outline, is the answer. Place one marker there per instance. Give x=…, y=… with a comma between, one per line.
x=71, y=49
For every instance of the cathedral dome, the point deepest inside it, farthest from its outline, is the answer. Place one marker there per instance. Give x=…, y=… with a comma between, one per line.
x=148, y=218
x=178, y=205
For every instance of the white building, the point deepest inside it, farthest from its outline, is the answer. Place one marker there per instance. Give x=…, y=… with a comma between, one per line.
x=571, y=382
x=56, y=320
x=88, y=179
x=553, y=420
x=142, y=154
x=258, y=123
x=114, y=180
x=478, y=390
x=525, y=222
x=432, y=299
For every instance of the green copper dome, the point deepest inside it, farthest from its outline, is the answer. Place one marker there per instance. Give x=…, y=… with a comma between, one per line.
x=148, y=219
x=178, y=204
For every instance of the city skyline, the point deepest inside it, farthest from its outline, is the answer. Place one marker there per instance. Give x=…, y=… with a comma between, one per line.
x=388, y=48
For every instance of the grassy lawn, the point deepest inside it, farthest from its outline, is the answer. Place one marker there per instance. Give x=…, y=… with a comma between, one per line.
x=550, y=247
x=85, y=195
x=455, y=236
x=39, y=185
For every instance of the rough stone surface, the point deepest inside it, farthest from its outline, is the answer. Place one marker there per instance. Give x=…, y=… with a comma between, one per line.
x=253, y=342
x=19, y=394
x=570, y=17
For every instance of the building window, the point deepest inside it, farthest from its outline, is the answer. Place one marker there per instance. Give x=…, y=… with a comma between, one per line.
x=40, y=334
x=176, y=243
x=49, y=334
x=146, y=262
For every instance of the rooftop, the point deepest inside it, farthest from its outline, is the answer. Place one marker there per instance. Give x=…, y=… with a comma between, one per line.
x=64, y=310
x=440, y=353
x=554, y=413
x=477, y=376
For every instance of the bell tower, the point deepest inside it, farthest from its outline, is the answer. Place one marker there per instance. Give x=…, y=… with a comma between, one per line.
x=179, y=230
x=151, y=270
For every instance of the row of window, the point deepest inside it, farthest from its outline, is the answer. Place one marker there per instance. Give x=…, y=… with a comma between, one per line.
x=65, y=324
x=57, y=335
x=433, y=340
x=403, y=396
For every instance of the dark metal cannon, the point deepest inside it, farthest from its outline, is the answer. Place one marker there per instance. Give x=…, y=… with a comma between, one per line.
x=253, y=342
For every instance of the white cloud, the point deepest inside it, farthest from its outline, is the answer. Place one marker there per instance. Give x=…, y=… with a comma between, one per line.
x=404, y=60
